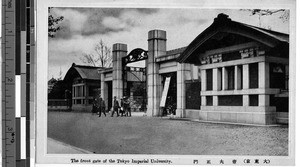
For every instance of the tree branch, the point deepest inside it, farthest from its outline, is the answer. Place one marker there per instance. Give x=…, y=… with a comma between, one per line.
x=102, y=56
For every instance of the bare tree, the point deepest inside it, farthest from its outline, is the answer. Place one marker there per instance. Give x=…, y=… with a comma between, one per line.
x=101, y=58
x=284, y=14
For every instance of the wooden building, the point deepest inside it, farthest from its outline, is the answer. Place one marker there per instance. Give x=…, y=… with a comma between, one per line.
x=84, y=82
x=244, y=72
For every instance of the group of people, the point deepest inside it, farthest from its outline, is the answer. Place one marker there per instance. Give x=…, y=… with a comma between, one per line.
x=122, y=109
x=99, y=106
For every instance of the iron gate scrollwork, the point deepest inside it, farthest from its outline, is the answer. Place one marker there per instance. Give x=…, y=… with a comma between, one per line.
x=135, y=55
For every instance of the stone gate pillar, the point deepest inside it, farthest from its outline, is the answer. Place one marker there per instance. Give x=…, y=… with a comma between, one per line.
x=182, y=69
x=119, y=50
x=103, y=88
x=156, y=47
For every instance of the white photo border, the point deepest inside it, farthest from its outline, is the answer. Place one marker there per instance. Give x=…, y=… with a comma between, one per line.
x=41, y=68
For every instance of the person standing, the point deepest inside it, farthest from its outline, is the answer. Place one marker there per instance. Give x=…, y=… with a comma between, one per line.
x=94, y=107
x=127, y=107
x=102, y=107
x=98, y=105
x=122, y=110
x=116, y=107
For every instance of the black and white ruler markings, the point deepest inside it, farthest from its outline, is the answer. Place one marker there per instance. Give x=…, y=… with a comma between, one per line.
x=17, y=53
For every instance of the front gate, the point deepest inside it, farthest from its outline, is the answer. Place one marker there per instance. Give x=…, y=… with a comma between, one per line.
x=134, y=80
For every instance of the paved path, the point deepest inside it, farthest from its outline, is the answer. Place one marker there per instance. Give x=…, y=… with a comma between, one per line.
x=146, y=135
x=57, y=147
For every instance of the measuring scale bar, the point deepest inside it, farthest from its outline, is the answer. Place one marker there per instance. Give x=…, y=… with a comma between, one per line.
x=15, y=124
x=20, y=119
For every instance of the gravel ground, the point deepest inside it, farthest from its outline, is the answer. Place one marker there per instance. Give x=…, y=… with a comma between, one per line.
x=146, y=135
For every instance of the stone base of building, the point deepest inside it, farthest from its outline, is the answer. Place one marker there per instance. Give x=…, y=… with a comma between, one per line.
x=242, y=115
x=282, y=117
x=192, y=114
x=154, y=112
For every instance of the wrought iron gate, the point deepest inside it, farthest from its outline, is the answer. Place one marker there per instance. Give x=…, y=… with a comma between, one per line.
x=134, y=80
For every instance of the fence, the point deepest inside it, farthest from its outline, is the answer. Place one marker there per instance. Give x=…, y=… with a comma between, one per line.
x=59, y=104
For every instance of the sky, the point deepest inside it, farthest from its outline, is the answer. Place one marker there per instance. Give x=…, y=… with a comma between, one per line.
x=82, y=28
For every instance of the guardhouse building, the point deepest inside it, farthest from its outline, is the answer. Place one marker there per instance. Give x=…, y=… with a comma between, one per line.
x=83, y=83
x=244, y=72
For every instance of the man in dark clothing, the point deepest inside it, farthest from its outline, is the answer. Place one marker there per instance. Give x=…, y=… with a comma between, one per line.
x=122, y=110
x=127, y=107
x=95, y=107
x=102, y=107
x=116, y=106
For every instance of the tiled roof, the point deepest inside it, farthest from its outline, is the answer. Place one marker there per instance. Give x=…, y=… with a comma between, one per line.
x=171, y=55
x=224, y=24
x=278, y=35
x=88, y=72
x=85, y=72
x=175, y=51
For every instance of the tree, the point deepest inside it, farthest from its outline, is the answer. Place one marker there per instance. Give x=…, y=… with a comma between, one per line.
x=284, y=14
x=53, y=22
x=58, y=90
x=101, y=58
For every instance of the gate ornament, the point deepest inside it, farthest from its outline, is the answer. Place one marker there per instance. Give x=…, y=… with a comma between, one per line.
x=135, y=55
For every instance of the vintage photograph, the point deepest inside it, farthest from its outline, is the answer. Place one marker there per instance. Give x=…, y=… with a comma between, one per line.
x=168, y=81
